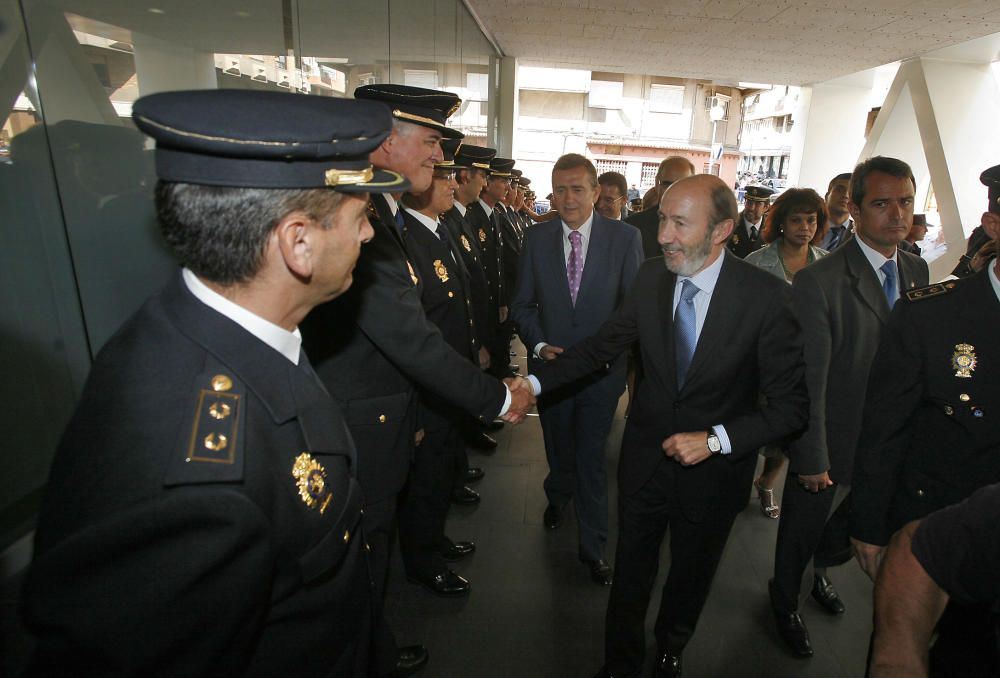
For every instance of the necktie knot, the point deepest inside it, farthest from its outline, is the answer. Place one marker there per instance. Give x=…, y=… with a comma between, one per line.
x=689, y=290
x=575, y=238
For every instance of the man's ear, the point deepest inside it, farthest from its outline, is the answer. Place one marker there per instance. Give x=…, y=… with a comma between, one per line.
x=722, y=231
x=991, y=224
x=293, y=237
x=854, y=211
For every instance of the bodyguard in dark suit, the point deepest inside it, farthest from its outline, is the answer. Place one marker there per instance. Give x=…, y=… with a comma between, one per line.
x=690, y=444
x=202, y=515
x=370, y=365
x=746, y=237
x=842, y=302
x=933, y=440
x=574, y=273
x=647, y=221
x=840, y=226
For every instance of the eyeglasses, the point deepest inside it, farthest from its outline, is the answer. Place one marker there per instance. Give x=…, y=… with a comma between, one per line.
x=444, y=174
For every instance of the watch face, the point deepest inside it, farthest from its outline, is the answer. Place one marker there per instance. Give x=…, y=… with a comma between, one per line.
x=713, y=443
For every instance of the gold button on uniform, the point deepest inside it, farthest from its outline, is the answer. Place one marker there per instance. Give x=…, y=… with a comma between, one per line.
x=964, y=397
x=381, y=418
x=347, y=536
x=920, y=493
x=221, y=382
x=949, y=410
x=451, y=294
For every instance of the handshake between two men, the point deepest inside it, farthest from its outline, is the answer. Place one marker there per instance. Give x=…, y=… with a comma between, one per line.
x=522, y=399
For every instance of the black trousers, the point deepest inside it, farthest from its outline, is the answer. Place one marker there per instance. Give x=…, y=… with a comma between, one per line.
x=424, y=506
x=380, y=525
x=695, y=551
x=812, y=527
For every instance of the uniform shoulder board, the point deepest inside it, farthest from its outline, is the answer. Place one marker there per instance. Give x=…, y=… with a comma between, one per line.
x=935, y=290
x=210, y=443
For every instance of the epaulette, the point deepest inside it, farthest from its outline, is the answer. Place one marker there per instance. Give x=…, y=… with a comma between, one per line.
x=935, y=290
x=210, y=444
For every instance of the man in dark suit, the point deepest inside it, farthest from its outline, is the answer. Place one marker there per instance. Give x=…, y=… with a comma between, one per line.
x=671, y=169
x=842, y=302
x=839, y=225
x=933, y=440
x=917, y=233
x=370, y=365
x=575, y=272
x=202, y=517
x=485, y=219
x=690, y=444
x=746, y=237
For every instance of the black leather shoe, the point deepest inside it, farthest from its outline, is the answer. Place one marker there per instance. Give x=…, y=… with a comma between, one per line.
x=481, y=441
x=456, y=550
x=824, y=594
x=446, y=583
x=552, y=518
x=600, y=571
x=411, y=659
x=494, y=425
x=668, y=665
x=793, y=631
x=465, y=496
x=473, y=474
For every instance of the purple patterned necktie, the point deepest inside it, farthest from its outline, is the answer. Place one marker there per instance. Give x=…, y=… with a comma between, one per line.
x=574, y=267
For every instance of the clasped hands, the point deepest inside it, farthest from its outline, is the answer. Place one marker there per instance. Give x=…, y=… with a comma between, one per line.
x=687, y=449
x=522, y=399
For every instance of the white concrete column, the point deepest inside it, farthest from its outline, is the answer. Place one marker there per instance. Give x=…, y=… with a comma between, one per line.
x=506, y=107
x=161, y=66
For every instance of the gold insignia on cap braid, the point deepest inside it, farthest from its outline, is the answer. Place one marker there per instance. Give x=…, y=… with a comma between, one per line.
x=336, y=177
x=481, y=165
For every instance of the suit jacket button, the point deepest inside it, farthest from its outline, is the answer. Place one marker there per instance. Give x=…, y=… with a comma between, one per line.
x=920, y=493
x=381, y=418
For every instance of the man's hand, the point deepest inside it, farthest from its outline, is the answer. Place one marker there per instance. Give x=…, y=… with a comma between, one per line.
x=484, y=358
x=687, y=449
x=418, y=437
x=549, y=352
x=869, y=556
x=503, y=313
x=815, y=483
x=522, y=399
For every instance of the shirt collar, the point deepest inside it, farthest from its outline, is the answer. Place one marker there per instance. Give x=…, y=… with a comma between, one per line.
x=288, y=344
x=431, y=224
x=461, y=208
x=843, y=225
x=706, y=279
x=393, y=205
x=489, y=210
x=875, y=258
x=584, y=229
x=994, y=280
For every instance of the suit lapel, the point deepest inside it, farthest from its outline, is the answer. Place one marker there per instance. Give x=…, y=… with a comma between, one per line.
x=557, y=262
x=866, y=284
x=595, y=265
x=722, y=319
x=908, y=271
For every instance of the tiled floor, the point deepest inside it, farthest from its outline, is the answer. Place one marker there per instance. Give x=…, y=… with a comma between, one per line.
x=534, y=612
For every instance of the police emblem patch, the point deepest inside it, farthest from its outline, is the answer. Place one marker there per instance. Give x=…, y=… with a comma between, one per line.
x=466, y=244
x=482, y=235
x=963, y=360
x=413, y=274
x=310, y=477
x=441, y=270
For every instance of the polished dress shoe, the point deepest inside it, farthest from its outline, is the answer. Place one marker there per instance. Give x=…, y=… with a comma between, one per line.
x=446, y=583
x=494, y=425
x=456, y=550
x=465, y=496
x=552, y=518
x=824, y=594
x=473, y=474
x=481, y=441
x=600, y=571
x=793, y=631
x=668, y=665
x=411, y=659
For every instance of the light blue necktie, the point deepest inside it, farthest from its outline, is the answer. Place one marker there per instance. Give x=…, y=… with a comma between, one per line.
x=889, y=285
x=685, y=330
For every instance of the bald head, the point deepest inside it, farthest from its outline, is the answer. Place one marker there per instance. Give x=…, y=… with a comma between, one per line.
x=696, y=219
x=671, y=170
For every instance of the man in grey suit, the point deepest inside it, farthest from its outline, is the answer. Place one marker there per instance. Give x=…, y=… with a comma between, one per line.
x=574, y=272
x=842, y=302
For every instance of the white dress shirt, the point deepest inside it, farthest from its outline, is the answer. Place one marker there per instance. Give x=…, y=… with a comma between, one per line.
x=288, y=344
x=994, y=280
x=489, y=210
x=462, y=209
x=393, y=205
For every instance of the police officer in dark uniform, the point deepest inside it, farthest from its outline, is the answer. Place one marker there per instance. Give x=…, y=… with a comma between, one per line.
x=438, y=458
x=485, y=218
x=746, y=237
x=202, y=515
x=934, y=438
x=979, y=248
x=371, y=365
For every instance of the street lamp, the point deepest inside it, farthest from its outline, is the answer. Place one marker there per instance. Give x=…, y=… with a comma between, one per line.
x=715, y=113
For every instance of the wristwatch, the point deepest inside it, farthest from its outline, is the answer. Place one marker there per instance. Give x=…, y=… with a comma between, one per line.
x=714, y=444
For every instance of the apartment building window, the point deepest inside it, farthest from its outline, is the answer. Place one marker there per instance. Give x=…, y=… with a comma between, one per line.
x=648, y=176
x=666, y=98
x=610, y=166
x=604, y=94
x=420, y=78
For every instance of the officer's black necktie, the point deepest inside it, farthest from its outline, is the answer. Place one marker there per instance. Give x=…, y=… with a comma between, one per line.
x=753, y=233
x=400, y=224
